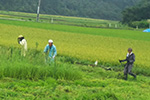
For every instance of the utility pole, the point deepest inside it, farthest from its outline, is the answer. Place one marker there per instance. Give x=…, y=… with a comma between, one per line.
x=38, y=10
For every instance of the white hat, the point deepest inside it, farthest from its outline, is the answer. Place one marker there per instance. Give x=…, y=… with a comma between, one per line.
x=50, y=41
x=20, y=36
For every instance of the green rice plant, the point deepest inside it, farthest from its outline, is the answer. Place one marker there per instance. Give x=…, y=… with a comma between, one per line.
x=15, y=66
x=88, y=44
x=99, y=95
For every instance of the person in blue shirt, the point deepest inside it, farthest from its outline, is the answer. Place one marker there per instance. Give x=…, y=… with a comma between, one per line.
x=51, y=50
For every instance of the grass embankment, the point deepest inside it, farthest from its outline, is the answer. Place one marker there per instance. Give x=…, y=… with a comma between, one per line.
x=63, y=20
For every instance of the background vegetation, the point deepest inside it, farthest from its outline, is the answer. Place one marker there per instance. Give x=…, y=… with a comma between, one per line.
x=63, y=20
x=102, y=9
x=137, y=15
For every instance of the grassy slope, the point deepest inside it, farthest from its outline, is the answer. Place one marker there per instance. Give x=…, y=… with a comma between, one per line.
x=65, y=20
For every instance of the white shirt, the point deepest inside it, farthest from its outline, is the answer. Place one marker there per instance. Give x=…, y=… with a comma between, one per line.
x=24, y=44
x=129, y=54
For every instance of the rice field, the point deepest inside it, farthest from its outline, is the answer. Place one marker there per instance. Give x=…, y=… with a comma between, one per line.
x=72, y=77
x=104, y=45
x=31, y=78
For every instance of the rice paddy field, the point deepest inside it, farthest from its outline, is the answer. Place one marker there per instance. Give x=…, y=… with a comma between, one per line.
x=104, y=45
x=72, y=77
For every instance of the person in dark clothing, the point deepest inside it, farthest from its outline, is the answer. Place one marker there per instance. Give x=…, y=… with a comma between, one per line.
x=128, y=66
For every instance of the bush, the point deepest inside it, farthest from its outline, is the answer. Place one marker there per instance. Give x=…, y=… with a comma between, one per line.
x=140, y=24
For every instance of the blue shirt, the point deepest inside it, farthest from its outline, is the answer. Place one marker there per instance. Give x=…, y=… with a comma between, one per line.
x=52, y=50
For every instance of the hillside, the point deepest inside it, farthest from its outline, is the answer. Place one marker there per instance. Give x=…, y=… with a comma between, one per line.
x=103, y=9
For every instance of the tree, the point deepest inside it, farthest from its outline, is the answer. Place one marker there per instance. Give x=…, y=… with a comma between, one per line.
x=103, y=9
x=136, y=13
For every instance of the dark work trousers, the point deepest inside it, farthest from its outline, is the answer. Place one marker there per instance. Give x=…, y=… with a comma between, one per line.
x=128, y=70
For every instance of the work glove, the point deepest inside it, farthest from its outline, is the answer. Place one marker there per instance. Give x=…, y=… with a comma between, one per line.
x=120, y=61
x=53, y=57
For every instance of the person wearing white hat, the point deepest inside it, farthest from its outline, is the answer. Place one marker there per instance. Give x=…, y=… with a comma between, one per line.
x=51, y=48
x=22, y=41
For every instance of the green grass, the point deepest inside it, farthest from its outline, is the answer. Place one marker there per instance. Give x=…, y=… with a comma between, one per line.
x=15, y=66
x=65, y=20
x=126, y=34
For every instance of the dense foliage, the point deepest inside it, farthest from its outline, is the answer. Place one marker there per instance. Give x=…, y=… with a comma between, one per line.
x=104, y=9
x=138, y=13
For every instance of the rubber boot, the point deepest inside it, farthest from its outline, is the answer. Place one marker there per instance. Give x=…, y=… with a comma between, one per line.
x=133, y=75
x=125, y=76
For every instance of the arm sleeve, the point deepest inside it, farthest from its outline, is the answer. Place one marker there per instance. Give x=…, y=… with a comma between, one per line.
x=55, y=51
x=46, y=49
x=124, y=60
x=22, y=42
